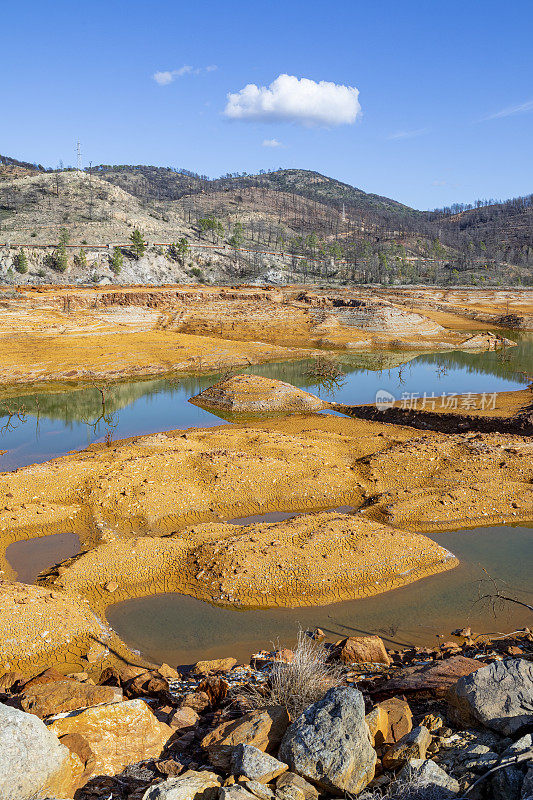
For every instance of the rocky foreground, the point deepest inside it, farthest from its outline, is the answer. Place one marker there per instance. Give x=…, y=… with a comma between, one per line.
x=317, y=722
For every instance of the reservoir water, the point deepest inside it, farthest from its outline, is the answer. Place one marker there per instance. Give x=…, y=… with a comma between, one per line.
x=52, y=423
x=37, y=426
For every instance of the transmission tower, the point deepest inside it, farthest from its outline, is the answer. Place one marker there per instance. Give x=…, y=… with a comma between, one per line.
x=78, y=156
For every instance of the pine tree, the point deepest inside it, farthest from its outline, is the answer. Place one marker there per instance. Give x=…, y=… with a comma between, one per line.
x=116, y=261
x=81, y=259
x=139, y=245
x=22, y=262
x=178, y=250
x=60, y=255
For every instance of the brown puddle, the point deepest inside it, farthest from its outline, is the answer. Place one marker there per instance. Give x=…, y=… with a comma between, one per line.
x=179, y=629
x=31, y=556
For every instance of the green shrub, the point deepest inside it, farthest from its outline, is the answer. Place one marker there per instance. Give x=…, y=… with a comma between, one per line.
x=21, y=262
x=60, y=257
x=81, y=259
x=139, y=245
x=116, y=261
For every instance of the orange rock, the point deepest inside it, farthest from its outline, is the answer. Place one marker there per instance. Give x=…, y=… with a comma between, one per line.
x=432, y=679
x=118, y=734
x=262, y=729
x=169, y=673
x=183, y=718
x=45, y=699
x=216, y=665
x=361, y=649
x=389, y=721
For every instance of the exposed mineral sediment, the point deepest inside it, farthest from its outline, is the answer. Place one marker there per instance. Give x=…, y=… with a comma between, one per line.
x=77, y=334
x=310, y=560
x=161, y=484
x=39, y=627
x=253, y=393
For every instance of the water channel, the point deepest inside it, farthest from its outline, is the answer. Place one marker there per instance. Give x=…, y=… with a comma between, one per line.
x=37, y=426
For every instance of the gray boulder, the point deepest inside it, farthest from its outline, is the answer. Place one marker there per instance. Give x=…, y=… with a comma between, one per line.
x=329, y=743
x=426, y=778
x=189, y=786
x=254, y=764
x=33, y=762
x=507, y=784
x=527, y=786
x=235, y=792
x=498, y=696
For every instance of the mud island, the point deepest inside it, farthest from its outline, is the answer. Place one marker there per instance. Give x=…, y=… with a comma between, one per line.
x=193, y=512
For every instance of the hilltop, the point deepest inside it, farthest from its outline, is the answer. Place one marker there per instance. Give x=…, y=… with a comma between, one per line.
x=283, y=226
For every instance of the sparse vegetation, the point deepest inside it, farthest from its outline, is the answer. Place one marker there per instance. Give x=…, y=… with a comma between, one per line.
x=138, y=243
x=178, y=251
x=116, y=261
x=301, y=682
x=21, y=262
x=326, y=375
x=414, y=788
x=317, y=228
x=60, y=256
x=80, y=259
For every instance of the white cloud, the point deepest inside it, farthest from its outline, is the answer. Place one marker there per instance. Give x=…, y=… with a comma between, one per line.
x=163, y=78
x=272, y=143
x=523, y=108
x=289, y=99
x=407, y=134
x=439, y=183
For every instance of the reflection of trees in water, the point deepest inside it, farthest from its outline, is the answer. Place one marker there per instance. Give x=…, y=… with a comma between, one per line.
x=508, y=363
x=85, y=405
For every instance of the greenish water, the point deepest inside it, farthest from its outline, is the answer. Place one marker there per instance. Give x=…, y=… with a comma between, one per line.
x=52, y=423
x=180, y=630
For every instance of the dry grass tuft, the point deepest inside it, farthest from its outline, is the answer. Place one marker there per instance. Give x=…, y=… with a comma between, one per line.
x=414, y=788
x=299, y=684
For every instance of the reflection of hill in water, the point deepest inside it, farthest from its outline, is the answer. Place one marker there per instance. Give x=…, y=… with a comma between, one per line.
x=76, y=405
x=500, y=363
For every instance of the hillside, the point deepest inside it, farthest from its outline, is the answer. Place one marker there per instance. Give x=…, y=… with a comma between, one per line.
x=507, y=225
x=283, y=226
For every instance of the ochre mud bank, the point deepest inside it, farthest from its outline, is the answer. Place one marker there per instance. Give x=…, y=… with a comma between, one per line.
x=40, y=627
x=501, y=412
x=73, y=334
x=311, y=559
x=164, y=482
x=254, y=394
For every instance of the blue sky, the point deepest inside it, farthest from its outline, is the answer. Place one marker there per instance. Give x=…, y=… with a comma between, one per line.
x=444, y=111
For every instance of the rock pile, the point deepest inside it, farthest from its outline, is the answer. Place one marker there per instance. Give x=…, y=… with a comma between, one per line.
x=136, y=735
